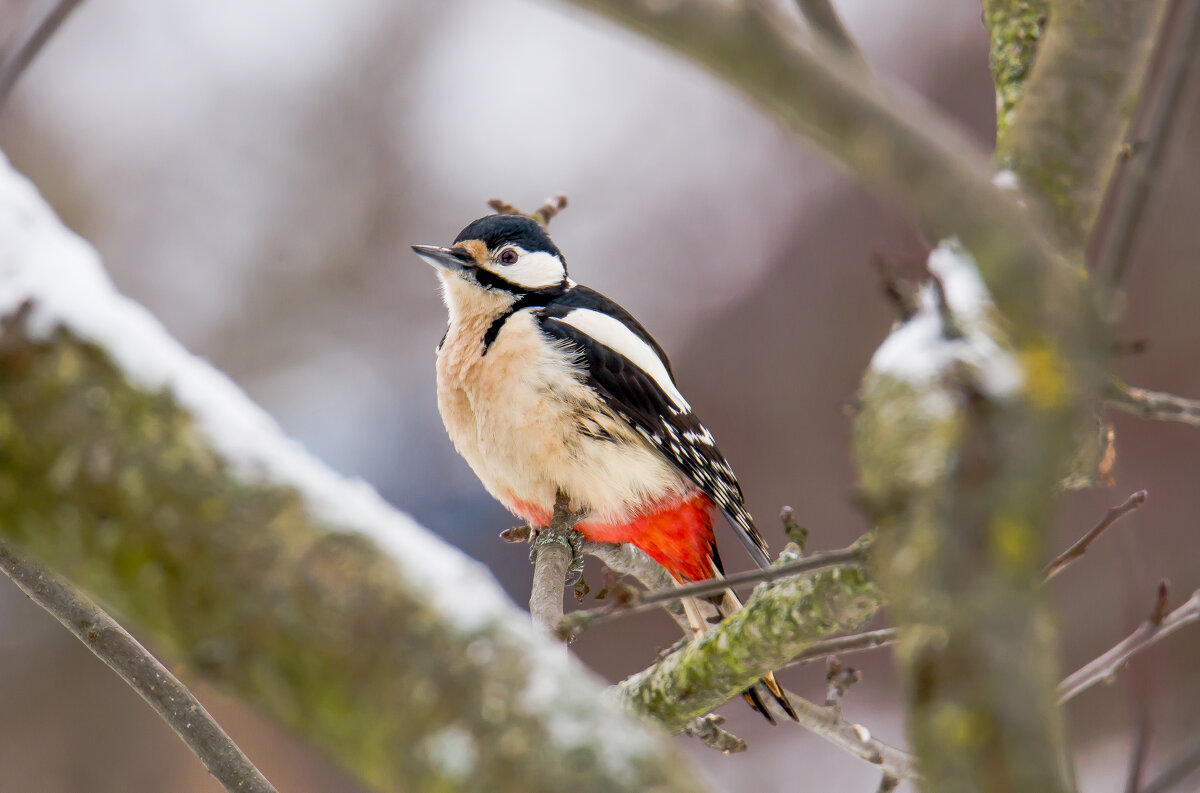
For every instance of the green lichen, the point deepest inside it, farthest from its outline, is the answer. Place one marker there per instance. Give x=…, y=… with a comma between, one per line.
x=1014, y=29
x=780, y=620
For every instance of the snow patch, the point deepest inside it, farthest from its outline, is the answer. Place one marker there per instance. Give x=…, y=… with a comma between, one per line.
x=43, y=261
x=919, y=351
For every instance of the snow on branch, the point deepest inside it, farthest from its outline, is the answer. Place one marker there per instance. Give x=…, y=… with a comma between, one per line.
x=148, y=478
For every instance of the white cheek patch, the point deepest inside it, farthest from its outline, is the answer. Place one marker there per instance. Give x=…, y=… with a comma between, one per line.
x=613, y=334
x=533, y=270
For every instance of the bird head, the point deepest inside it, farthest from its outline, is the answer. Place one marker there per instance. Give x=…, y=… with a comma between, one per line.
x=496, y=261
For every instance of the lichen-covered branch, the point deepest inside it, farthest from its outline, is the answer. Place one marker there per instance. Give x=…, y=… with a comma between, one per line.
x=1014, y=30
x=779, y=621
x=134, y=664
x=1076, y=106
x=150, y=481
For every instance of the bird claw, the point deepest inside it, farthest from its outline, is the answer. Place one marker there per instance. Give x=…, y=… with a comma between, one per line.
x=567, y=538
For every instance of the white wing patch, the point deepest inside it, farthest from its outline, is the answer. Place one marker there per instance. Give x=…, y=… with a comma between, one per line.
x=613, y=334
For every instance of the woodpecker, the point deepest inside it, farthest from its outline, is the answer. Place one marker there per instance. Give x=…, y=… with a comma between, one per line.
x=547, y=386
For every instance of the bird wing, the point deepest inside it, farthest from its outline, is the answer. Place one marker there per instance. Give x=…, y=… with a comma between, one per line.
x=629, y=371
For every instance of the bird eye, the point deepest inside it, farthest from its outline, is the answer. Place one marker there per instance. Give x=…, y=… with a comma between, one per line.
x=508, y=256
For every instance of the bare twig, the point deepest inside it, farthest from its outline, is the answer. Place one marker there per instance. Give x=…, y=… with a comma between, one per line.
x=29, y=43
x=1152, y=404
x=625, y=559
x=113, y=645
x=549, y=208
x=557, y=552
x=1105, y=667
x=826, y=22
x=841, y=645
x=1114, y=514
x=708, y=729
x=543, y=214
x=838, y=679
x=1143, y=164
x=1178, y=768
x=853, y=738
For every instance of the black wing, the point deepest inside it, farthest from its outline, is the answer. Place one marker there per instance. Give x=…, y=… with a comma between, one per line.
x=635, y=396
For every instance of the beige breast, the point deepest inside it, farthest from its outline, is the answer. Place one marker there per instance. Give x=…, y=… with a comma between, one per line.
x=524, y=421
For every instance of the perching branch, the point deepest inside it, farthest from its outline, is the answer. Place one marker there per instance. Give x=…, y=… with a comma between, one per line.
x=1079, y=548
x=1149, y=633
x=708, y=730
x=134, y=664
x=557, y=557
x=1148, y=404
x=17, y=56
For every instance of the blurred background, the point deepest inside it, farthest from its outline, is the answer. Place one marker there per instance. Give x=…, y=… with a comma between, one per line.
x=254, y=173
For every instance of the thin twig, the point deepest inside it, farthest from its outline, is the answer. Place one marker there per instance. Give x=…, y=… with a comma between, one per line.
x=20, y=54
x=1106, y=666
x=1178, y=768
x=825, y=20
x=543, y=214
x=853, y=738
x=1114, y=514
x=1121, y=230
x=838, y=679
x=113, y=645
x=846, y=557
x=842, y=645
x=1152, y=404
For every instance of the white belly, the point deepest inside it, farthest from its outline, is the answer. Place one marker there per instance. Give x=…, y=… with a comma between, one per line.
x=526, y=425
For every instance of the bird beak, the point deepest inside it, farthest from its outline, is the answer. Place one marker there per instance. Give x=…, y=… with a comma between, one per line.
x=453, y=259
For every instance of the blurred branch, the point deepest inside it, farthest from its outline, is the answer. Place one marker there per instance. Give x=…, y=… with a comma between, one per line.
x=1148, y=404
x=825, y=21
x=29, y=42
x=1076, y=106
x=1144, y=159
x=1178, y=768
x=1079, y=548
x=1149, y=633
x=888, y=137
x=134, y=664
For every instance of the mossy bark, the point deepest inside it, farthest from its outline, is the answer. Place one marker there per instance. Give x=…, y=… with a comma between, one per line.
x=780, y=620
x=112, y=487
x=1014, y=30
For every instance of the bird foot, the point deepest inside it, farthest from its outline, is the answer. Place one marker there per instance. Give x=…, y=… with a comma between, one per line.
x=562, y=531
